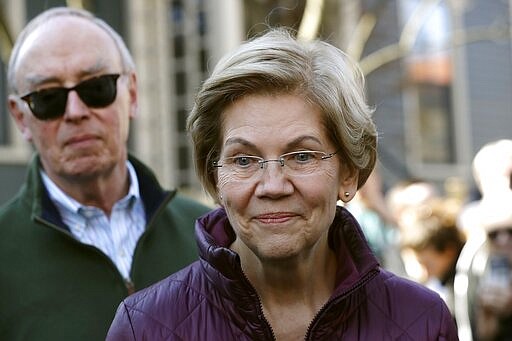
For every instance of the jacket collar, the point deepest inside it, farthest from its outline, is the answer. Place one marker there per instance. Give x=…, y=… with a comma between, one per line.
x=36, y=196
x=356, y=266
x=214, y=235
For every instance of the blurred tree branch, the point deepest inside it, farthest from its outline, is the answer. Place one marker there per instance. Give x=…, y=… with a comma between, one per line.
x=366, y=24
x=311, y=19
x=405, y=42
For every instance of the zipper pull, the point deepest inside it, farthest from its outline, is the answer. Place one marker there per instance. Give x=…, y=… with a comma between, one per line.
x=129, y=286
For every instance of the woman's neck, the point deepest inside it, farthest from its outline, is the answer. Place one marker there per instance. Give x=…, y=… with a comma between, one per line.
x=293, y=290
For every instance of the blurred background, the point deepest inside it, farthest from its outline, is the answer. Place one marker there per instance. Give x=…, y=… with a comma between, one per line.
x=439, y=75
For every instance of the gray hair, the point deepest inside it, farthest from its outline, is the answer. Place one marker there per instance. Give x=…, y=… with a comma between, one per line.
x=41, y=19
x=277, y=63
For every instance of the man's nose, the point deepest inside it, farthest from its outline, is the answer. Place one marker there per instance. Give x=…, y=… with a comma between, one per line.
x=75, y=107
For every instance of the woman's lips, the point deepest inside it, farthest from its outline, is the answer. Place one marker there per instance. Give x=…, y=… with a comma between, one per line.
x=275, y=218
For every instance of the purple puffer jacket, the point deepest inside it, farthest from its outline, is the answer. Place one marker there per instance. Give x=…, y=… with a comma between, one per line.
x=212, y=300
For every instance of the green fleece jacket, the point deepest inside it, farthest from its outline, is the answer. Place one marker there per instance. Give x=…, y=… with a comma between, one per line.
x=52, y=287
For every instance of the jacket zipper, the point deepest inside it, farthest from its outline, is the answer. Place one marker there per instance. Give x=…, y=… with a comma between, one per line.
x=260, y=305
x=129, y=286
x=359, y=284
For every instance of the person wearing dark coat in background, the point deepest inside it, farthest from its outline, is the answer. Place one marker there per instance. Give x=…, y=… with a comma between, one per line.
x=91, y=224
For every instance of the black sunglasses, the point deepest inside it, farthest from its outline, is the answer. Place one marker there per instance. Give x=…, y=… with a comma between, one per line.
x=50, y=103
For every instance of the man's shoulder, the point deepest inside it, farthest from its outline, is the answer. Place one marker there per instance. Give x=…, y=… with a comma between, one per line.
x=188, y=201
x=13, y=209
x=187, y=206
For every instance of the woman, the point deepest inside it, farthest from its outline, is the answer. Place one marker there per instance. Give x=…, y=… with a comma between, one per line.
x=281, y=132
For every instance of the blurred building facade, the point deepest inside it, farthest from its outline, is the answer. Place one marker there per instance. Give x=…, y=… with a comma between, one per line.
x=439, y=74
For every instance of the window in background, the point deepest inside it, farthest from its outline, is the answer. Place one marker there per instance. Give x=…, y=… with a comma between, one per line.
x=428, y=84
x=188, y=21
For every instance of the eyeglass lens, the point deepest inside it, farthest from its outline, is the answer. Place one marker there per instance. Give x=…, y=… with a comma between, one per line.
x=298, y=163
x=97, y=92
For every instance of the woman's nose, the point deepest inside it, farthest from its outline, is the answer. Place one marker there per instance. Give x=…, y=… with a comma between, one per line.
x=273, y=181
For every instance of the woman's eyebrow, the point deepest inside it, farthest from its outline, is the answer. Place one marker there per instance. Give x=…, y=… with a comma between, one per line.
x=299, y=140
x=294, y=143
x=239, y=140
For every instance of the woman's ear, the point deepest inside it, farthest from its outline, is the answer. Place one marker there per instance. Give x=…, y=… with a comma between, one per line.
x=348, y=185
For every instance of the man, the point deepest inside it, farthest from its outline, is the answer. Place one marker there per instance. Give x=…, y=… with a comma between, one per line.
x=91, y=224
x=483, y=283
x=483, y=303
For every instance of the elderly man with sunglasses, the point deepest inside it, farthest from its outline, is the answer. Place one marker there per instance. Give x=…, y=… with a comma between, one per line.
x=91, y=224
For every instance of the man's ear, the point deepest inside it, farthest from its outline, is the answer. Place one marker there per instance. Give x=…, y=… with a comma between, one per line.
x=19, y=117
x=132, y=91
x=348, y=185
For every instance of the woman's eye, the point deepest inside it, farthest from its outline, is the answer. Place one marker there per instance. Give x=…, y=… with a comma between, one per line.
x=303, y=157
x=243, y=161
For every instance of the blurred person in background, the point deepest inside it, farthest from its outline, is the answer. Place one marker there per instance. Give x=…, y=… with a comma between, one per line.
x=482, y=283
x=432, y=234
x=492, y=173
x=484, y=277
x=281, y=132
x=403, y=199
x=380, y=229
x=91, y=224
x=493, y=304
